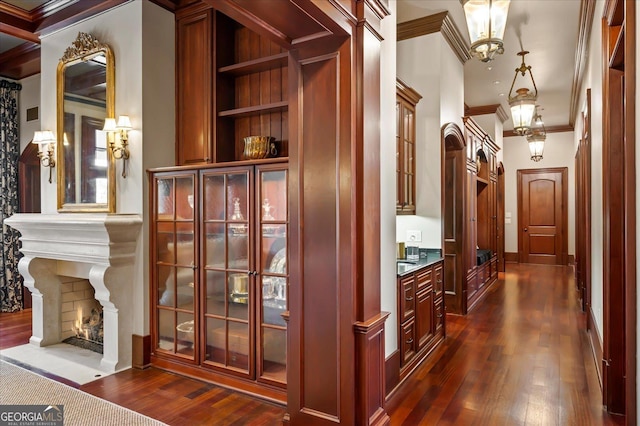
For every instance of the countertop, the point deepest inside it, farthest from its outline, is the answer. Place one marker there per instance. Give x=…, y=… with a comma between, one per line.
x=406, y=267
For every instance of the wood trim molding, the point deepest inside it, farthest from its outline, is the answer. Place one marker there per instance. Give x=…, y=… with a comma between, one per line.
x=439, y=22
x=595, y=342
x=496, y=109
x=392, y=373
x=587, y=12
x=550, y=129
x=140, y=351
x=407, y=92
x=511, y=257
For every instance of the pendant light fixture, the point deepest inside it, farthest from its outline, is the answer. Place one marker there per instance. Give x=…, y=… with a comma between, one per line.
x=523, y=104
x=536, y=138
x=486, y=22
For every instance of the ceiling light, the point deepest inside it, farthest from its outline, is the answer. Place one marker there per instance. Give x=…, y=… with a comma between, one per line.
x=524, y=103
x=486, y=21
x=536, y=138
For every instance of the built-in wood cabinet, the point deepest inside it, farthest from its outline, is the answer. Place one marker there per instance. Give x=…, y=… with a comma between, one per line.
x=406, y=101
x=231, y=83
x=220, y=280
x=421, y=316
x=481, y=213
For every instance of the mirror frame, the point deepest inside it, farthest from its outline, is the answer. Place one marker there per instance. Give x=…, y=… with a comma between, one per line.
x=84, y=47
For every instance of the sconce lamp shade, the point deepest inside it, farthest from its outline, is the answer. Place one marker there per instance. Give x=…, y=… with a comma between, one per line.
x=486, y=22
x=42, y=137
x=124, y=123
x=109, y=125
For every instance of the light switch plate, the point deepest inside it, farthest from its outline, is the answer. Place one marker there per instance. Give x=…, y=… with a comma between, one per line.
x=414, y=236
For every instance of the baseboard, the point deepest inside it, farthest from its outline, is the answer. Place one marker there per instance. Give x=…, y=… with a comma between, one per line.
x=571, y=259
x=141, y=351
x=511, y=257
x=596, y=346
x=392, y=372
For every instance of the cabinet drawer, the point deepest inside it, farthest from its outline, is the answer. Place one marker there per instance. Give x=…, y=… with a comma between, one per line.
x=424, y=278
x=437, y=281
x=439, y=316
x=407, y=302
x=408, y=343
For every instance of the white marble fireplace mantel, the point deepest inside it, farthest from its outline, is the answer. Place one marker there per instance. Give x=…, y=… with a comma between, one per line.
x=99, y=247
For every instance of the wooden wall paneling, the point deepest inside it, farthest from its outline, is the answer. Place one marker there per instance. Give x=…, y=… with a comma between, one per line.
x=500, y=191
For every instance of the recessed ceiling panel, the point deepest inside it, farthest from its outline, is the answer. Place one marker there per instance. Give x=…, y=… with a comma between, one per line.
x=28, y=5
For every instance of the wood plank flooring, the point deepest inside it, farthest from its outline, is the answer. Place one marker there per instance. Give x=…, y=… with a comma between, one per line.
x=521, y=357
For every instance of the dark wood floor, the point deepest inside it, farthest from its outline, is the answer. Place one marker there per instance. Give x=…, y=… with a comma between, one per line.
x=520, y=358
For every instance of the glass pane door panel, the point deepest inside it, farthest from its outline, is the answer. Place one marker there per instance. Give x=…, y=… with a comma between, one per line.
x=166, y=329
x=238, y=345
x=274, y=354
x=184, y=198
x=274, y=291
x=237, y=197
x=215, y=291
x=273, y=195
x=185, y=288
x=214, y=245
x=164, y=194
x=213, y=197
x=216, y=347
x=237, y=249
x=185, y=250
x=274, y=252
x=166, y=285
x=239, y=296
x=186, y=331
x=165, y=243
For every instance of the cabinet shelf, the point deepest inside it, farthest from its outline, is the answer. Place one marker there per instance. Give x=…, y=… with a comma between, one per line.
x=256, y=65
x=255, y=110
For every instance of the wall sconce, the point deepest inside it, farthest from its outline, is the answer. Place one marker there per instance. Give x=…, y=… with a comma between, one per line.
x=46, y=148
x=536, y=138
x=486, y=22
x=524, y=103
x=118, y=146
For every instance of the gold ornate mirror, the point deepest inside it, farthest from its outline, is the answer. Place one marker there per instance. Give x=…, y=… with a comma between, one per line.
x=85, y=97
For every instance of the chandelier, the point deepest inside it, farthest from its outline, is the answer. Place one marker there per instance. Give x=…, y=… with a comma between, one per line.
x=486, y=21
x=536, y=138
x=523, y=104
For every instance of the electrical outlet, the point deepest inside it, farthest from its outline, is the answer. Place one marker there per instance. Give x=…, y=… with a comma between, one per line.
x=414, y=236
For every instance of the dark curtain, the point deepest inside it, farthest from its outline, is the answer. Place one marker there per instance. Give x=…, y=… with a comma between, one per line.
x=10, y=279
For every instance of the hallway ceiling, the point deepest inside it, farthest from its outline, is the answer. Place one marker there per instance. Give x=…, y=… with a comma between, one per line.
x=549, y=29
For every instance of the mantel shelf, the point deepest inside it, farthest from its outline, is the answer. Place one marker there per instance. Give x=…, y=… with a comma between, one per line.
x=256, y=65
x=254, y=110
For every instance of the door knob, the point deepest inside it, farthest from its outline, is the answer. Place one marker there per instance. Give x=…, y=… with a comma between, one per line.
x=525, y=229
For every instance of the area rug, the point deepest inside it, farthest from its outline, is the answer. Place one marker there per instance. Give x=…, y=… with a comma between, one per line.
x=22, y=387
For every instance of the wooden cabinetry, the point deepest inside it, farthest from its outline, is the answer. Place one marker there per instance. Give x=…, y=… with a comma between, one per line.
x=406, y=101
x=421, y=316
x=481, y=240
x=220, y=277
x=231, y=83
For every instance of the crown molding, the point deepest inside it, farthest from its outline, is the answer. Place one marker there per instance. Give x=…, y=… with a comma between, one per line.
x=440, y=22
x=496, y=109
x=587, y=12
x=551, y=129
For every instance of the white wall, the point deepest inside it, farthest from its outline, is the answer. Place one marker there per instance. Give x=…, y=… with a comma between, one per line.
x=388, y=271
x=29, y=98
x=439, y=78
x=559, y=151
x=145, y=90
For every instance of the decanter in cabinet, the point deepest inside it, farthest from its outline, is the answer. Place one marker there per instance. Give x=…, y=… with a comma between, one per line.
x=220, y=276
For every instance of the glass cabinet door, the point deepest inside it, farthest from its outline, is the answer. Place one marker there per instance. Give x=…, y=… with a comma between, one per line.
x=226, y=289
x=273, y=272
x=175, y=267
